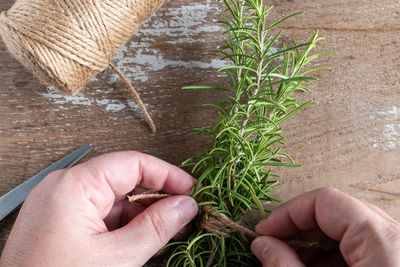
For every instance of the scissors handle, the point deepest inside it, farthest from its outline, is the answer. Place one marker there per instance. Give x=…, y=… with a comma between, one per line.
x=16, y=196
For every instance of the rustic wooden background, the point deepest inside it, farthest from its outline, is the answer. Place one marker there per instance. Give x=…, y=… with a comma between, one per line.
x=350, y=140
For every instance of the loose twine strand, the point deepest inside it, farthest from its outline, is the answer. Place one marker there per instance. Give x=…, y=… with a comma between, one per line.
x=66, y=42
x=218, y=223
x=137, y=98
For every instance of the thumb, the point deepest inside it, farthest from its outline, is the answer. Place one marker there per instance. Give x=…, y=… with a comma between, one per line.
x=149, y=231
x=274, y=252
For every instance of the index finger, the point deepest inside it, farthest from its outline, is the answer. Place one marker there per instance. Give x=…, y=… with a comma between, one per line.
x=110, y=177
x=334, y=212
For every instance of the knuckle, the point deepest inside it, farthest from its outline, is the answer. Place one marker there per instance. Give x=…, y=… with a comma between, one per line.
x=91, y=183
x=327, y=190
x=78, y=175
x=328, y=193
x=83, y=174
x=133, y=153
x=368, y=226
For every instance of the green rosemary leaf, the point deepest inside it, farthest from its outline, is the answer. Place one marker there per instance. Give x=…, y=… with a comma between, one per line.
x=239, y=67
x=294, y=111
x=280, y=164
x=205, y=87
x=279, y=21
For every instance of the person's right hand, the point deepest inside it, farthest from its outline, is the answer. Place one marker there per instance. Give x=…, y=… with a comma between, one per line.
x=363, y=233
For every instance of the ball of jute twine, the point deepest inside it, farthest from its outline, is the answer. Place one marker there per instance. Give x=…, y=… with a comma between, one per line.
x=216, y=222
x=66, y=42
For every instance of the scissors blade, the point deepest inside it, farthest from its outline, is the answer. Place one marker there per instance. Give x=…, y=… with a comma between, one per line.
x=16, y=196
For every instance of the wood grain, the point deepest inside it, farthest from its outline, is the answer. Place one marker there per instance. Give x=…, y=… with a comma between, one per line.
x=350, y=140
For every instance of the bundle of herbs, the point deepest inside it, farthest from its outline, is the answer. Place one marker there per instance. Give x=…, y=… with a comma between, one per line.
x=235, y=174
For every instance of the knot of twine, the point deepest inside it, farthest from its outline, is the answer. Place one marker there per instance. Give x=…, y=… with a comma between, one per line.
x=66, y=42
x=218, y=223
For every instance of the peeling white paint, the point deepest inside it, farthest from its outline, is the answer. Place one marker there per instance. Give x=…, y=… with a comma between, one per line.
x=115, y=107
x=392, y=113
x=184, y=23
x=102, y=101
x=391, y=131
x=153, y=60
x=156, y=61
x=85, y=100
x=57, y=98
x=392, y=134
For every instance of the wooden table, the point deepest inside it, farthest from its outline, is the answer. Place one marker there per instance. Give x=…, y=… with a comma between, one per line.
x=350, y=140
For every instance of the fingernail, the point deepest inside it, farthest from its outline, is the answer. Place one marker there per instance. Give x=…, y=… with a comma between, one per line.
x=188, y=208
x=258, y=247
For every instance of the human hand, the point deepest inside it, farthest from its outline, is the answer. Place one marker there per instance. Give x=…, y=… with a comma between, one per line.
x=66, y=219
x=350, y=232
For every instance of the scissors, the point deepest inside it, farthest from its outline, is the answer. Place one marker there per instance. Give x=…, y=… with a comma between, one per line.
x=11, y=200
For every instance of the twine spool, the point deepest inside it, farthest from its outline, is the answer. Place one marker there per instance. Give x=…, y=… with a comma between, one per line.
x=66, y=42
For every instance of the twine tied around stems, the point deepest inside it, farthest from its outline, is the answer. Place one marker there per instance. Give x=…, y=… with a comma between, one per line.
x=66, y=42
x=218, y=223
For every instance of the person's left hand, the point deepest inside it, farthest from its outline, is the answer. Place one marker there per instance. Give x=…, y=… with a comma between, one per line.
x=68, y=218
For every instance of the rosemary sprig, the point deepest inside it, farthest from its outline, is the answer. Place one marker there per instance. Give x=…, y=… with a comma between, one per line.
x=235, y=173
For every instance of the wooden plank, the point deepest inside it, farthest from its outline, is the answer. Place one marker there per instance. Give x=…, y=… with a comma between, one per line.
x=350, y=140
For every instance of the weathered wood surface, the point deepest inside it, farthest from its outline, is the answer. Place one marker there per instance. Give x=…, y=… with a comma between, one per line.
x=350, y=140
